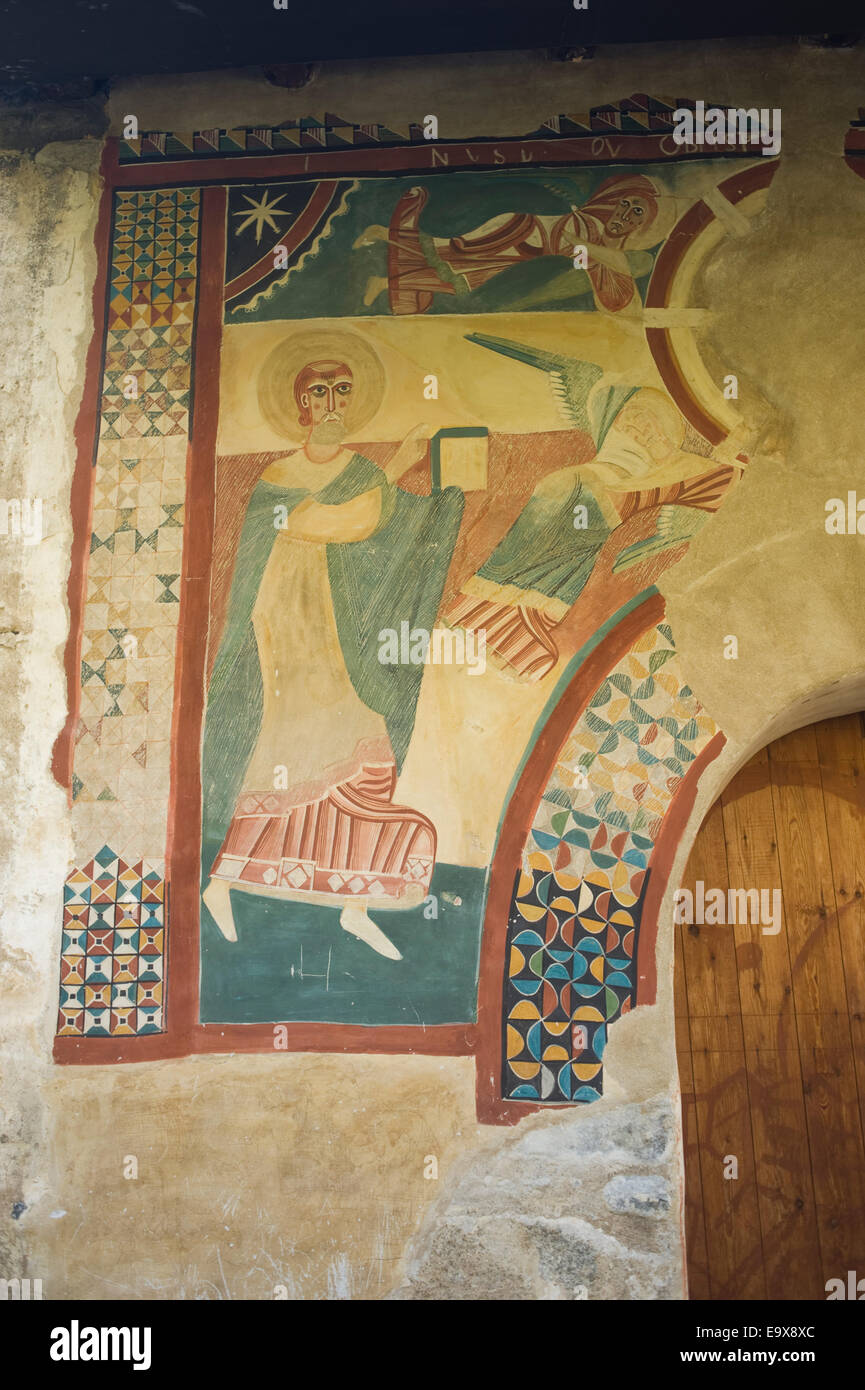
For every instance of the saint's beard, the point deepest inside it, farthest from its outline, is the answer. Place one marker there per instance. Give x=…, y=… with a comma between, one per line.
x=329, y=432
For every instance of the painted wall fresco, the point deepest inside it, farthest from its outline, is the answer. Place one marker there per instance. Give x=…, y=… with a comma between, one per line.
x=374, y=711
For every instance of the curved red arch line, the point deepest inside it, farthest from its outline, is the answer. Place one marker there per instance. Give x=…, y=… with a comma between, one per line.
x=738, y=186
x=294, y=236
x=666, y=845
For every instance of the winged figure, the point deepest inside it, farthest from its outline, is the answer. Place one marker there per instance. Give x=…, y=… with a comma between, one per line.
x=646, y=457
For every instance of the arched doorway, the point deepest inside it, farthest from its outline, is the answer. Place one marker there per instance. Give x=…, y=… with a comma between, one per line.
x=771, y=1027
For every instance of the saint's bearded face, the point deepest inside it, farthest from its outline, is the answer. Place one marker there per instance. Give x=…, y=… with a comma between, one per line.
x=326, y=398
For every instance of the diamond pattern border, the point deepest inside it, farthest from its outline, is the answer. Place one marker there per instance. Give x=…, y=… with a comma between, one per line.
x=113, y=955
x=112, y=964
x=574, y=919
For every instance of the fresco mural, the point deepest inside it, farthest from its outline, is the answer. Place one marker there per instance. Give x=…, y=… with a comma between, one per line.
x=376, y=729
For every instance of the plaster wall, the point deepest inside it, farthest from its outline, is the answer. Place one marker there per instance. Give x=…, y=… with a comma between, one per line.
x=303, y=1175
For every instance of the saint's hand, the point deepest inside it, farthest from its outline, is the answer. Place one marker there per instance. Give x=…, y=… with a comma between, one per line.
x=412, y=449
x=416, y=442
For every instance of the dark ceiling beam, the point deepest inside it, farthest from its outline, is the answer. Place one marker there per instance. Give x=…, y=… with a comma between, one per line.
x=45, y=41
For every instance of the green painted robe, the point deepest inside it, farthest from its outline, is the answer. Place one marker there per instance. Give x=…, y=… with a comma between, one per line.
x=395, y=575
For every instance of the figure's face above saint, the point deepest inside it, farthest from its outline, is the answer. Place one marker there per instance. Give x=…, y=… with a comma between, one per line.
x=627, y=215
x=323, y=391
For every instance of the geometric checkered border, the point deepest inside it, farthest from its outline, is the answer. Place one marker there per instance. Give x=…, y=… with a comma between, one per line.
x=113, y=957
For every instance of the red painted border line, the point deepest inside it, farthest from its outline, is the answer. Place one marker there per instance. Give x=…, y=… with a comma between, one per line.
x=747, y=181
x=660, y=864
x=439, y=1040
x=671, y=254
x=609, y=147
x=854, y=150
x=660, y=346
x=492, y=1109
x=87, y=426
x=183, y=847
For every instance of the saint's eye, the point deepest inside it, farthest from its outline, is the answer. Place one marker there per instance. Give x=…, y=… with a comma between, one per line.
x=318, y=390
x=344, y=388
x=638, y=211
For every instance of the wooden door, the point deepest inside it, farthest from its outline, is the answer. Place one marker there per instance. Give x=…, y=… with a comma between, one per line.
x=771, y=1028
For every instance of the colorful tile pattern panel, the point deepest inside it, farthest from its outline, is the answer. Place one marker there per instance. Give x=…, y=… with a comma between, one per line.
x=574, y=920
x=151, y=306
x=112, y=965
x=120, y=783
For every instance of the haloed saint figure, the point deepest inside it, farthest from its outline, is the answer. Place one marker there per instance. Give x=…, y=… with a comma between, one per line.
x=305, y=730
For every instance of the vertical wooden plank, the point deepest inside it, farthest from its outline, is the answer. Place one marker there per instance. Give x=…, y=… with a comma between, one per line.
x=791, y=1250
x=835, y=1135
x=841, y=1071
x=731, y=1208
x=820, y=995
x=785, y=1190
x=839, y=740
x=710, y=951
x=720, y=1084
x=842, y=764
x=763, y=960
x=806, y=872
x=841, y=748
x=857, y=1031
x=680, y=989
x=800, y=746
x=695, y=1223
